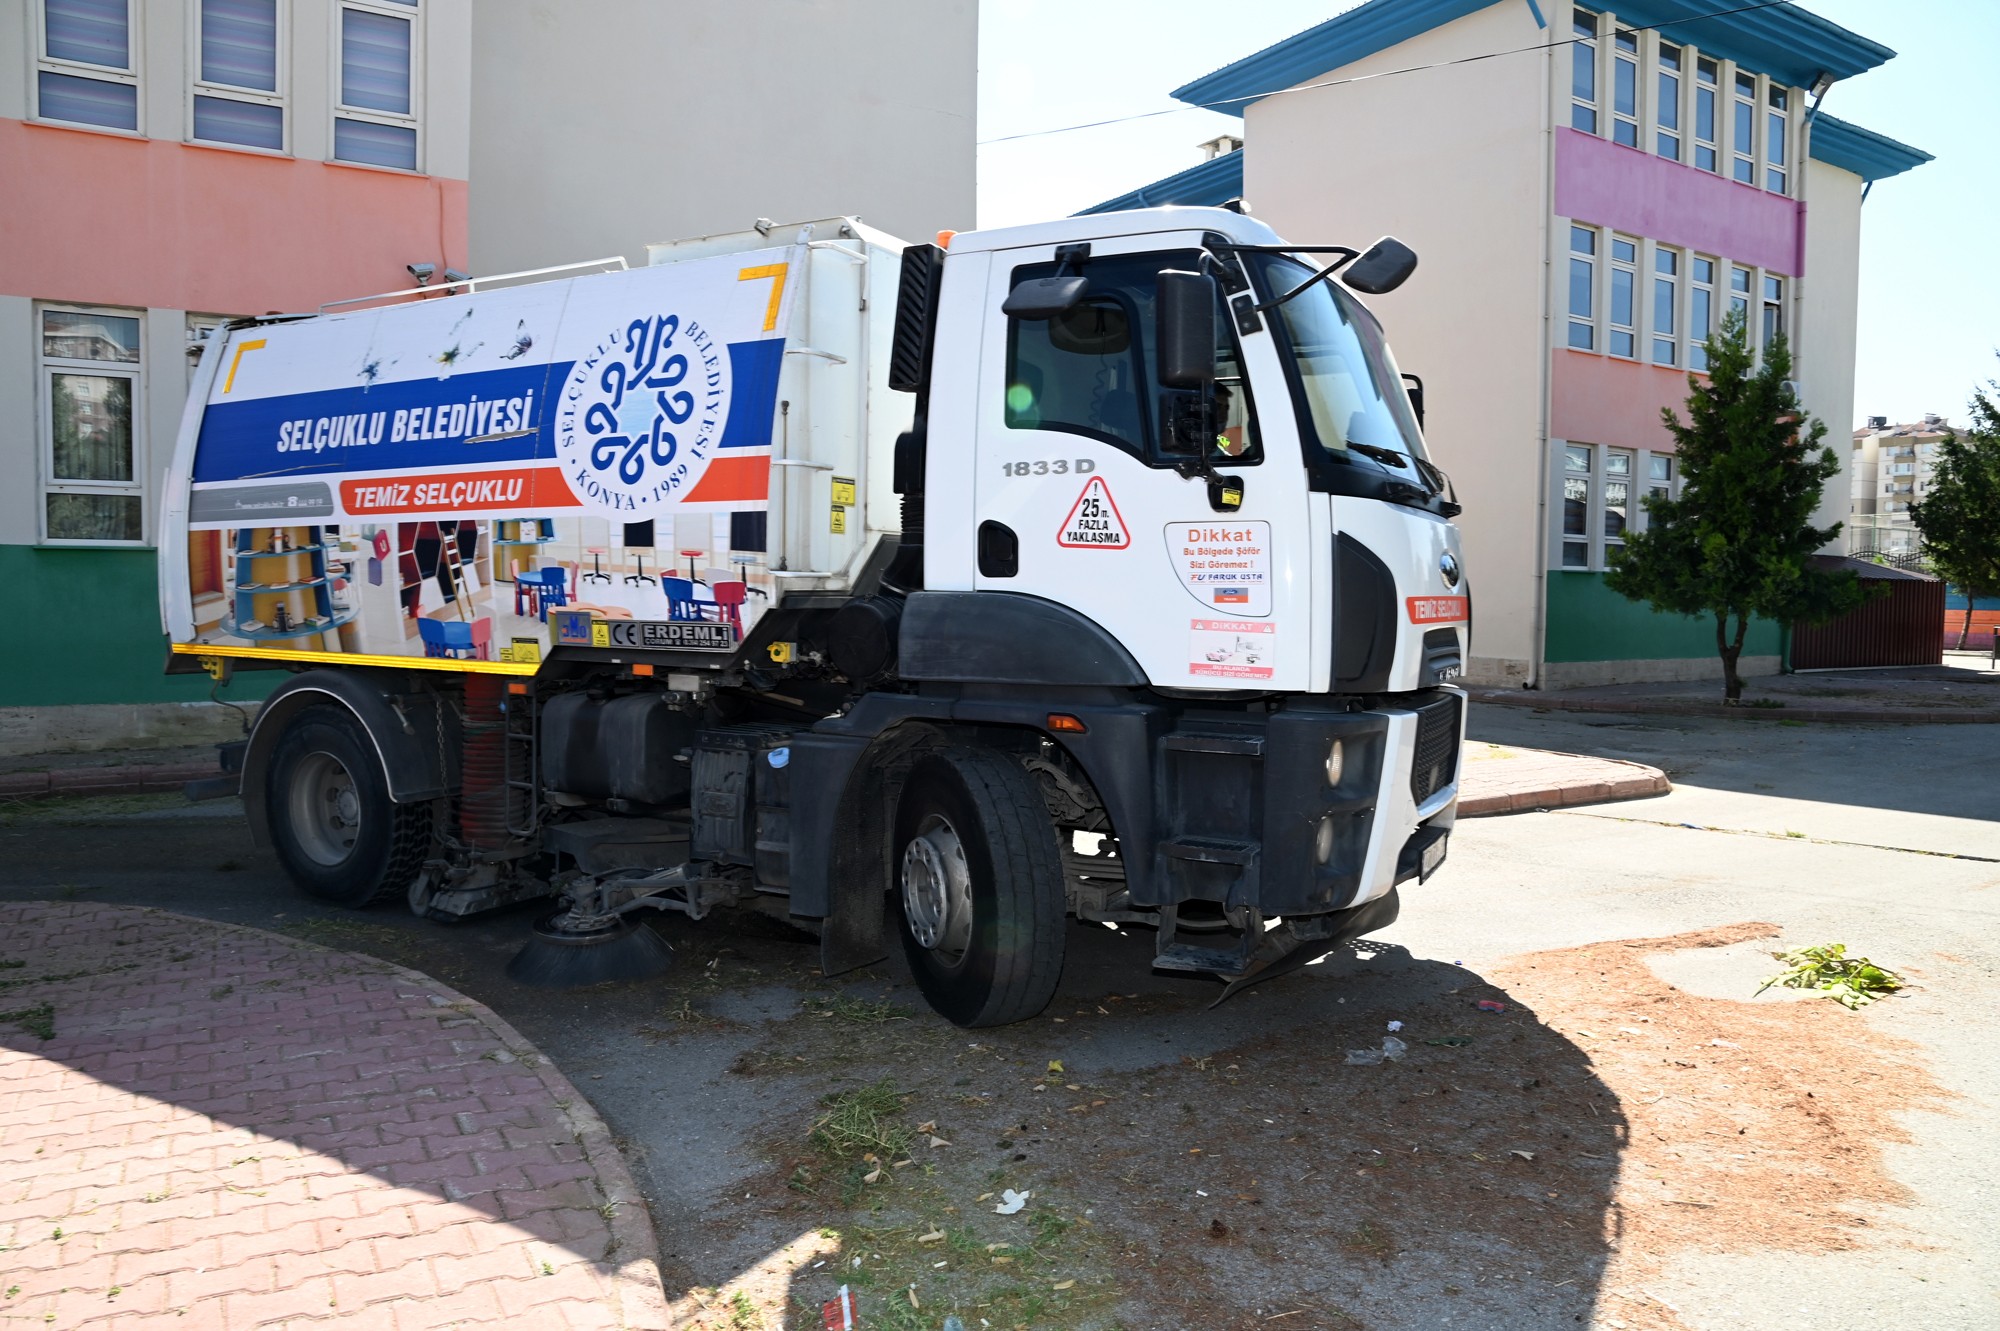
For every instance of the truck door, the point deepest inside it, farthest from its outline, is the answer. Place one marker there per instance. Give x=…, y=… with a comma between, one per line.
x=1079, y=502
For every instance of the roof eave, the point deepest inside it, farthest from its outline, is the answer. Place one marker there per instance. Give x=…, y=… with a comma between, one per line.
x=1864, y=152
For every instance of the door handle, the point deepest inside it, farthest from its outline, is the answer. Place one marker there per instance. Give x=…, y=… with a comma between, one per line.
x=999, y=550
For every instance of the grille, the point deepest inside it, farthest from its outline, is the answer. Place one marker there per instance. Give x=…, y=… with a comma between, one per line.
x=1436, y=762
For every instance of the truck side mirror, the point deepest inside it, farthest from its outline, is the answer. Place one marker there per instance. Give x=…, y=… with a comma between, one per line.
x=1383, y=267
x=1184, y=328
x=1044, y=297
x=1415, y=387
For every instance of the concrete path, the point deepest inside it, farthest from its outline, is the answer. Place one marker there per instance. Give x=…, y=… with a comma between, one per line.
x=205, y=1125
x=1506, y=778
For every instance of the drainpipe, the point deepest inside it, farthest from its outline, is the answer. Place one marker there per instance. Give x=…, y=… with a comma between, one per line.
x=1821, y=86
x=1539, y=629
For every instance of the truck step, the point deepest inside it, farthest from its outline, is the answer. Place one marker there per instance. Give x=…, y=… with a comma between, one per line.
x=1205, y=741
x=1207, y=960
x=1210, y=850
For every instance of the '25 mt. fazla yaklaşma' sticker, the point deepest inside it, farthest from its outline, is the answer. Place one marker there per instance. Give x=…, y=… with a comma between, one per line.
x=1094, y=522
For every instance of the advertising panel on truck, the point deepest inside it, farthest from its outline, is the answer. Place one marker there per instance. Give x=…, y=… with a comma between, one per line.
x=467, y=477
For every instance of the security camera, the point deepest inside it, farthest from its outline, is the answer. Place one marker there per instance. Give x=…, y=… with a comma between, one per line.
x=453, y=276
x=423, y=272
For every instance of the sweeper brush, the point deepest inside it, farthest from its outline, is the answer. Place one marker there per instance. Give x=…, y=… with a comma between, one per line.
x=568, y=951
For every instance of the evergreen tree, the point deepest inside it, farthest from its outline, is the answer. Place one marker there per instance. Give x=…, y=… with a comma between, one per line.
x=1735, y=545
x=1959, y=515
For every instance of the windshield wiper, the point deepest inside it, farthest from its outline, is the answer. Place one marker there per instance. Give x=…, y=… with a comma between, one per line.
x=1388, y=457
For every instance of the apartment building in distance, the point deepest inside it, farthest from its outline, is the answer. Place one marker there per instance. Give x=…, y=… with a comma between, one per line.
x=1890, y=470
x=1590, y=190
x=172, y=163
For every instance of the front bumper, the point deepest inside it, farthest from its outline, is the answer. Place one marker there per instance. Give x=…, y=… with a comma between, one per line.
x=1251, y=819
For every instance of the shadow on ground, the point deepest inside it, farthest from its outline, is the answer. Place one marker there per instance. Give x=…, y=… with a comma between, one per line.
x=1183, y=1159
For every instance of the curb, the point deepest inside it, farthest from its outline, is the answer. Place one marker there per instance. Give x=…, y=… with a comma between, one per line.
x=642, y=1299
x=1557, y=797
x=1907, y=716
x=129, y=779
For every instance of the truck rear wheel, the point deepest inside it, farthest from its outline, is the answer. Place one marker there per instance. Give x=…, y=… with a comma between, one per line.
x=337, y=832
x=980, y=884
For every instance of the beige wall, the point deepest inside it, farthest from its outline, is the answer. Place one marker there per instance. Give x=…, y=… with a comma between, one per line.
x=1824, y=338
x=1453, y=162
x=599, y=128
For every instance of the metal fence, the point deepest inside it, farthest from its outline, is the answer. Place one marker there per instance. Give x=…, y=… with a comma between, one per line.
x=1904, y=628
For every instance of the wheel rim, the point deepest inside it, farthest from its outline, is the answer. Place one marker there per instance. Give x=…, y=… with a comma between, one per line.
x=937, y=890
x=325, y=808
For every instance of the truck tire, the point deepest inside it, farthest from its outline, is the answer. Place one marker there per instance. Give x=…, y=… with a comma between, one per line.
x=337, y=832
x=979, y=887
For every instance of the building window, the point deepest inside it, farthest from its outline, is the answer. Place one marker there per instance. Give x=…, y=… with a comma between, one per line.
x=1659, y=476
x=1774, y=311
x=1705, y=74
x=1583, y=71
x=1746, y=128
x=1739, y=294
x=1667, y=135
x=87, y=72
x=1617, y=508
x=1666, y=300
x=90, y=388
x=1583, y=288
x=1576, y=506
x=1625, y=89
x=237, y=98
x=1624, y=338
x=1701, y=310
x=1776, y=123
x=376, y=121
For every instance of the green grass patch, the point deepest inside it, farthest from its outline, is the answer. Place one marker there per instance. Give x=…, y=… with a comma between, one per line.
x=862, y=1122
x=843, y=1007
x=39, y=1020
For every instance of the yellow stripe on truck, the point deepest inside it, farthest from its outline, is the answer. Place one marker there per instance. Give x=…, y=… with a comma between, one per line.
x=359, y=658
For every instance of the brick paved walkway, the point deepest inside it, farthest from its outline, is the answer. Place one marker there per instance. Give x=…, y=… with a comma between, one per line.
x=1501, y=778
x=231, y=1129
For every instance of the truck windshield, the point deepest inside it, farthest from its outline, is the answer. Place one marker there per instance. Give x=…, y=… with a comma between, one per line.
x=1342, y=370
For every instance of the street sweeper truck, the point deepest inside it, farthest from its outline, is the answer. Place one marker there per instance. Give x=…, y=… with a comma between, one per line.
x=1092, y=568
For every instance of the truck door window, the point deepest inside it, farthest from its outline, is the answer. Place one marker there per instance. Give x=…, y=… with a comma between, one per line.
x=1092, y=370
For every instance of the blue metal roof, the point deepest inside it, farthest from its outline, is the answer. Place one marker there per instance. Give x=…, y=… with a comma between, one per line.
x=1215, y=181
x=1867, y=154
x=1783, y=41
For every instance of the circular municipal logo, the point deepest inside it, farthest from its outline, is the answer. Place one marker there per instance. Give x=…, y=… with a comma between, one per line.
x=642, y=413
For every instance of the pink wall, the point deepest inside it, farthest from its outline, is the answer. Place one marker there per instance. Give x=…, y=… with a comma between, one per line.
x=1604, y=400
x=101, y=219
x=1607, y=184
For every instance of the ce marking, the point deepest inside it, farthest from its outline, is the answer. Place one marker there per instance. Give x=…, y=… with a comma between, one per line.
x=1059, y=467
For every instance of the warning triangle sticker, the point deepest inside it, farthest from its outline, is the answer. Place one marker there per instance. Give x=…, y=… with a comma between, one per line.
x=1094, y=523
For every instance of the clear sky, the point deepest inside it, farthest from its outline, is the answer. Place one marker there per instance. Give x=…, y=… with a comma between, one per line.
x=1930, y=274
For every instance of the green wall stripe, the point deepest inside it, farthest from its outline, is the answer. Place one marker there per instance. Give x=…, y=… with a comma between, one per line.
x=87, y=630
x=1587, y=621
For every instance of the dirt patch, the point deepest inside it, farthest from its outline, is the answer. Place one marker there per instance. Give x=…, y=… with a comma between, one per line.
x=1748, y=1125
x=1526, y=1167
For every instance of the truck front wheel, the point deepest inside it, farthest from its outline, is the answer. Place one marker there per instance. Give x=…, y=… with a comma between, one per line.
x=336, y=831
x=981, y=887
